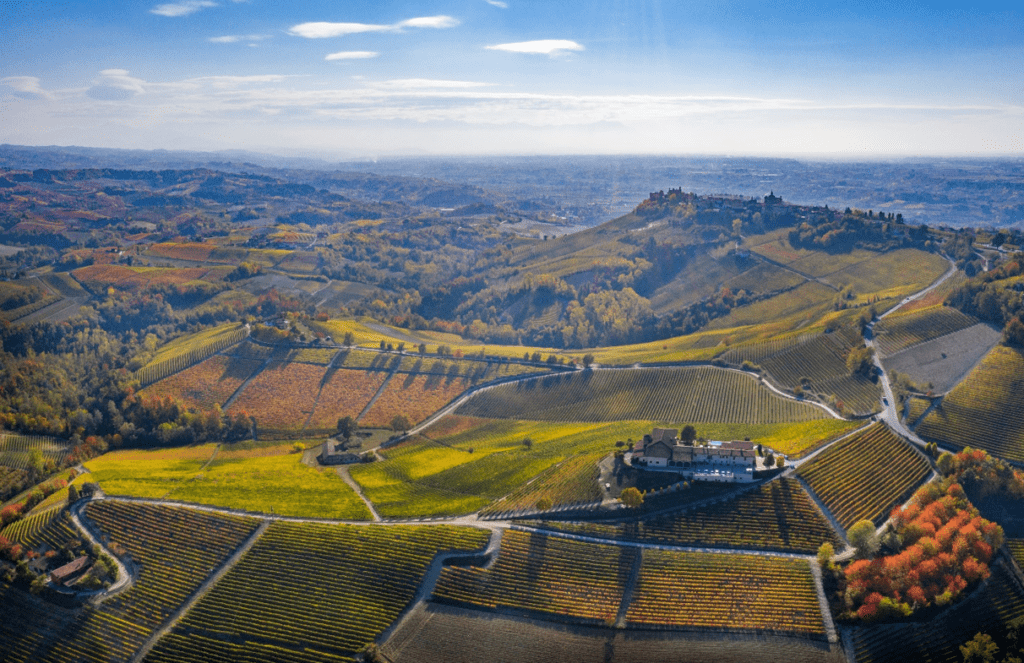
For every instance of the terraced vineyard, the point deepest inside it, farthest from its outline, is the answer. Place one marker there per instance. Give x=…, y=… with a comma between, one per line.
x=900, y=331
x=174, y=551
x=986, y=410
x=715, y=591
x=776, y=516
x=344, y=393
x=571, y=482
x=1016, y=548
x=918, y=406
x=997, y=602
x=702, y=393
x=865, y=476
x=50, y=529
x=544, y=575
x=210, y=382
x=352, y=582
x=15, y=450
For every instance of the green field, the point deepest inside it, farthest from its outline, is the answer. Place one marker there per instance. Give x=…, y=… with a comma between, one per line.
x=265, y=480
x=703, y=393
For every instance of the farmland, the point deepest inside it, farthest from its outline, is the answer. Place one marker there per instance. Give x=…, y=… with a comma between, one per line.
x=986, y=410
x=174, y=549
x=939, y=364
x=541, y=574
x=704, y=394
x=706, y=590
x=269, y=479
x=344, y=393
x=205, y=384
x=776, y=516
x=865, y=476
x=16, y=450
x=367, y=575
x=573, y=481
x=415, y=396
x=281, y=397
x=902, y=330
x=188, y=350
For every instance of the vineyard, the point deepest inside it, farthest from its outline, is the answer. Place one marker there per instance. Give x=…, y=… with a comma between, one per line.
x=468, y=469
x=546, y=575
x=98, y=278
x=704, y=394
x=16, y=450
x=571, y=482
x=344, y=393
x=415, y=396
x=776, y=516
x=986, y=410
x=209, y=382
x=184, y=352
x=174, y=551
x=49, y=529
x=900, y=331
x=995, y=604
x=815, y=364
x=281, y=397
x=1016, y=548
x=705, y=590
x=865, y=476
x=352, y=582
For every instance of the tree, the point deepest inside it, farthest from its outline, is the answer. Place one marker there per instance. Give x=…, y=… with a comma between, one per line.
x=528, y=443
x=980, y=649
x=588, y=359
x=347, y=427
x=383, y=344
x=423, y=348
x=861, y=360
x=632, y=498
x=400, y=422
x=350, y=339
x=825, y=553
x=769, y=460
x=780, y=462
x=72, y=494
x=688, y=434
x=544, y=503
x=946, y=463
x=864, y=539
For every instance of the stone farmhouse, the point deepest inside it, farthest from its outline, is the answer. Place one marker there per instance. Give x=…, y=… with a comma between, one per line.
x=723, y=462
x=336, y=453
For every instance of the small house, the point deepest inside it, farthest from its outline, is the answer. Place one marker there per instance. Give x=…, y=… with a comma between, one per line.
x=70, y=571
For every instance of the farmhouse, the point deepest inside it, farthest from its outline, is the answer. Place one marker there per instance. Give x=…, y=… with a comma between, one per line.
x=336, y=453
x=70, y=571
x=722, y=461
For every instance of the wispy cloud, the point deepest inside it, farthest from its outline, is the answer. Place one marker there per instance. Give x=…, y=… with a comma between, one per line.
x=540, y=46
x=425, y=84
x=497, y=3
x=324, y=29
x=175, y=9
x=115, y=85
x=351, y=55
x=26, y=87
x=232, y=39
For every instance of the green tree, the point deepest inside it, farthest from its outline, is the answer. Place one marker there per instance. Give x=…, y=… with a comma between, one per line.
x=864, y=539
x=544, y=503
x=688, y=434
x=780, y=462
x=588, y=359
x=423, y=348
x=400, y=422
x=347, y=427
x=946, y=463
x=825, y=553
x=72, y=494
x=632, y=497
x=980, y=649
x=350, y=339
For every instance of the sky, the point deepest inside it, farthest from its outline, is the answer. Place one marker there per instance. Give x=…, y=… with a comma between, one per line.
x=345, y=79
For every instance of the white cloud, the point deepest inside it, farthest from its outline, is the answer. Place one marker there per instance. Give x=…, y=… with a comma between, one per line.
x=497, y=3
x=26, y=87
x=351, y=55
x=231, y=39
x=425, y=83
x=115, y=85
x=540, y=46
x=185, y=8
x=324, y=29
x=429, y=22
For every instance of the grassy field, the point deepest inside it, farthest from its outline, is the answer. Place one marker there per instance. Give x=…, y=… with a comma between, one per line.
x=704, y=394
x=268, y=479
x=986, y=410
x=865, y=476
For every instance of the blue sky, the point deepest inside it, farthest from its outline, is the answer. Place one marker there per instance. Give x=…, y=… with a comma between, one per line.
x=343, y=79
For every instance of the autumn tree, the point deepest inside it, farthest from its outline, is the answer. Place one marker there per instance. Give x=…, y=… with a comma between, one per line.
x=400, y=423
x=980, y=649
x=632, y=498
